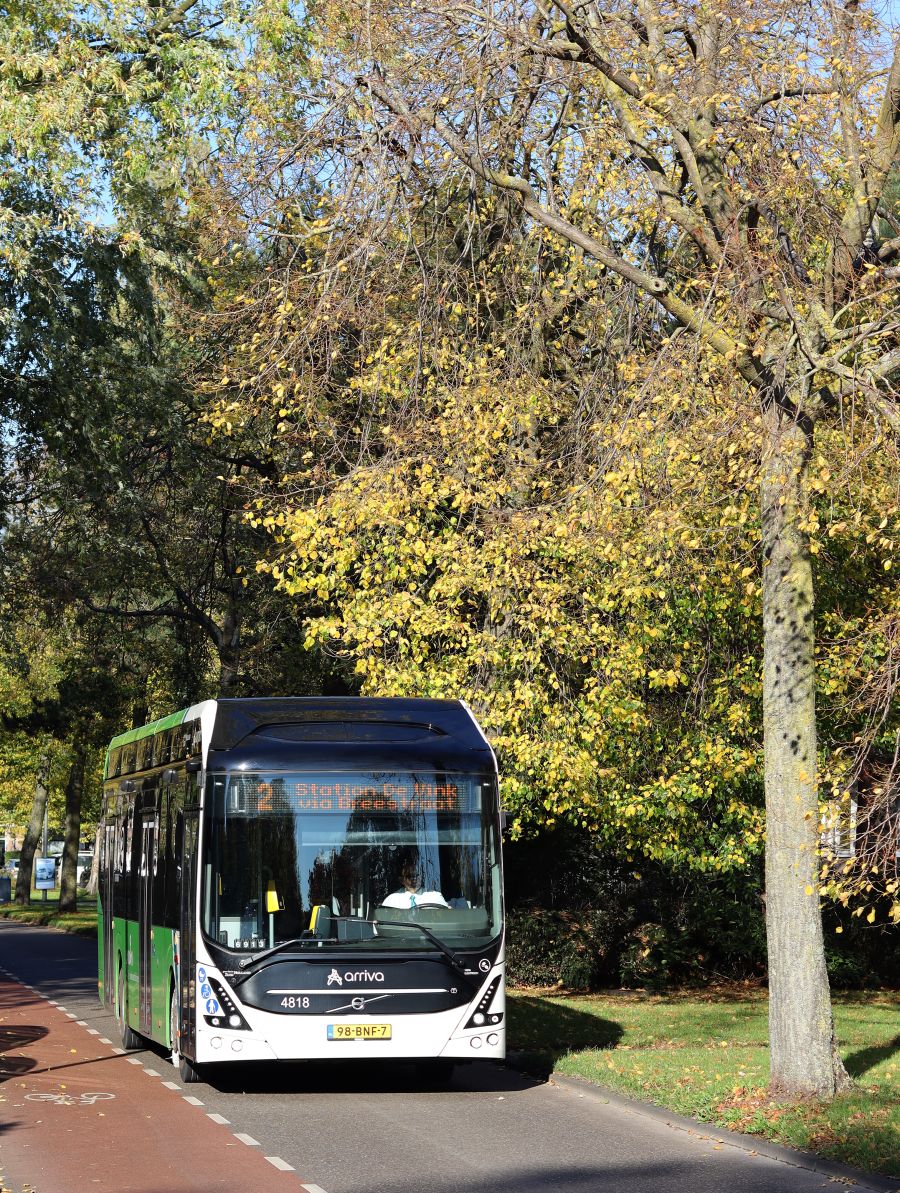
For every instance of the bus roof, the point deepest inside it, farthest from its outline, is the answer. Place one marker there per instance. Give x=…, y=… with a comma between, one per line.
x=225, y=723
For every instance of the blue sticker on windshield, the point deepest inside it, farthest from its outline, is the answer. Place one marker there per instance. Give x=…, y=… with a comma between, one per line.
x=201, y=973
x=212, y=1006
x=205, y=990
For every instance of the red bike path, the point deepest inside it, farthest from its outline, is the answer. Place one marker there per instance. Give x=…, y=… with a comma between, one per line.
x=78, y=1115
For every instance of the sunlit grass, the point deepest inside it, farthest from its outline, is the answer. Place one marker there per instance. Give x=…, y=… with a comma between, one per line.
x=46, y=912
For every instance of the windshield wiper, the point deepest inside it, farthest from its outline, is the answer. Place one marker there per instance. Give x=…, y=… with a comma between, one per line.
x=278, y=948
x=457, y=962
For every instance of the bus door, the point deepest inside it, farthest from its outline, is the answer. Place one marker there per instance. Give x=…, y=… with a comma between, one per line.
x=145, y=921
x=106, y=879
x=187, y=948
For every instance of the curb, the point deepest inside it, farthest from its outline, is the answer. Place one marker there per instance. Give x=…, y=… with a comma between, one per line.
x=832, y=1169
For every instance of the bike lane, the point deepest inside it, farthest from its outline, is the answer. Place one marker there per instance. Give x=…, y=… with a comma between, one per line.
x=79, y=1115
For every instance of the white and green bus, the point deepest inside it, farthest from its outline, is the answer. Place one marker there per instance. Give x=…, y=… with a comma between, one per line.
x=287, y=879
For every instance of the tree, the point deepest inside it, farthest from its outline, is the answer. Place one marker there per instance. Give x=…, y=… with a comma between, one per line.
x=761, y=242
x=744, y=159
x=33, y=831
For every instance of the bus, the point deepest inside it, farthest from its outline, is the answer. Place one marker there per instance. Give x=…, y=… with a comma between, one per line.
x=304, y=878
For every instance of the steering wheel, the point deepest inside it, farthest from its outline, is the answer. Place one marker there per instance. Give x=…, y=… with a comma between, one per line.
x=430, y=907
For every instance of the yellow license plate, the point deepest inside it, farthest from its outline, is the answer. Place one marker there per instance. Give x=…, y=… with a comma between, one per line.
x=359, y=1031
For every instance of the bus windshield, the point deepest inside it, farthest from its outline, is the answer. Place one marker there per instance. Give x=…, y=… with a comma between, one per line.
x=350, y=860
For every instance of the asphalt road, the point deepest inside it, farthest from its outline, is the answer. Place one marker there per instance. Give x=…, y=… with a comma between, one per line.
x=353, y=1128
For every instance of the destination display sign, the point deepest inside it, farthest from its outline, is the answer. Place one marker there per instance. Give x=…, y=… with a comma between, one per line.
x=348, y=794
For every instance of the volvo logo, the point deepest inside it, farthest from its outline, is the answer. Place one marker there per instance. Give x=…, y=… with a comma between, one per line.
x=354, y=975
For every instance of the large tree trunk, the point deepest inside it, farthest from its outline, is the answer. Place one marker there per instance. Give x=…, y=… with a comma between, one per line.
x=33, y=832
x=229, y=649
x=803, y=1056
x=68, y=879
x=94, y=880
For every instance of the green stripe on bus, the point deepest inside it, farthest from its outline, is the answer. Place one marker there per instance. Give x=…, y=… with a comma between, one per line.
x=169, y=722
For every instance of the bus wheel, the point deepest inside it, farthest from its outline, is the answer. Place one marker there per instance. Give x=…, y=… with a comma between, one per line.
x=187, y=1071
x=130, y=1038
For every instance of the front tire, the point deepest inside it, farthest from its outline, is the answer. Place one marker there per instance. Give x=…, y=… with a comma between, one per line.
x=130, y=1038
x=187, y=1071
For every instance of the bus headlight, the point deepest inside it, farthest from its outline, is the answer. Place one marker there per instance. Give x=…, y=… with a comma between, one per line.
x=232, y=1016
x=480, y=1016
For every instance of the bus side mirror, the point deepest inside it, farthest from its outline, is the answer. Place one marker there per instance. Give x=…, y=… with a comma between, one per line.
x=193, y=765
x=504, y=820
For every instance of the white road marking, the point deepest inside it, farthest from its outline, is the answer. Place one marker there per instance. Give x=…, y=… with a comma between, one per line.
x=92, y=1031
x=248, y=1139
x=217, y=1118
x=133, y=1060
x=103, y=1040
x=71, y=1014
x=281, y=1165
x=313, y=1188
x=81, y=1022
x=152, y=1073
x=119, y=1051
x=192, y=1101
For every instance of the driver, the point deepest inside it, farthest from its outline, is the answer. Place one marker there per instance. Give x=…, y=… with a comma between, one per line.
x=412, y=892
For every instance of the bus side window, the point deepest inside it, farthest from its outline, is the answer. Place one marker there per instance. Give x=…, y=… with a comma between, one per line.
x=163, y=750
x=121, y=841
x=157, y=834
x=179, y=840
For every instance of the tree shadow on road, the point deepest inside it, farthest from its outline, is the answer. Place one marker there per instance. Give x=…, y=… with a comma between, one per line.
x=13, y=1038
x=541, y=1031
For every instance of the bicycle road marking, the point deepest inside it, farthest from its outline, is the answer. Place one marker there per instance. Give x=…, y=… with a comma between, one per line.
x=70, y=1099
x=89, y=1099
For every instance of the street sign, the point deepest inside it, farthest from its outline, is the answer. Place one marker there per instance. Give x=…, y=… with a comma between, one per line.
x=44, y=874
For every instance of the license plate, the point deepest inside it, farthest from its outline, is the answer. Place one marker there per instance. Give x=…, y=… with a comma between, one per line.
x=359, y=1031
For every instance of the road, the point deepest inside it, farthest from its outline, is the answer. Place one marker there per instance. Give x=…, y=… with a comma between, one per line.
x=351, y=1128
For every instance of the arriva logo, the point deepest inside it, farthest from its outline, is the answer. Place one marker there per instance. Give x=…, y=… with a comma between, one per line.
x=354, y=975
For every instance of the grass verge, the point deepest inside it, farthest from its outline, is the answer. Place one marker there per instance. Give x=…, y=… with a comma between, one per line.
x=705, y=1055
x=83, y=921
